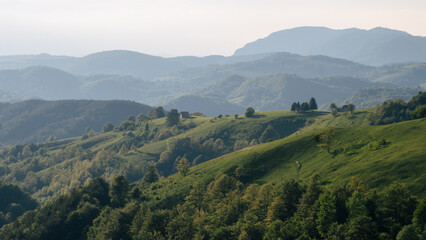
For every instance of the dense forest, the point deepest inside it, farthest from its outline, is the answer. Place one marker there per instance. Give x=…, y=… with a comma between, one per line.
x=228, y=209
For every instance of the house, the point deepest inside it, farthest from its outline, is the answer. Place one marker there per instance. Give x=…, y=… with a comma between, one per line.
x=184, y=114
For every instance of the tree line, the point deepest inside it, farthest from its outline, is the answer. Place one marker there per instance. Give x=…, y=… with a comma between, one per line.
x=305, y=106
x=227, y=209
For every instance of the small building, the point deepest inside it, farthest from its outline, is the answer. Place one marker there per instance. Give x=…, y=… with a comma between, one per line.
x=184, y=114
x=129, y=134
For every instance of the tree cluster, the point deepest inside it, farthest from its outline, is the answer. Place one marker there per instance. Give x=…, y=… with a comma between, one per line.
x=398, y=110
x=304, y=107
x=227, y=209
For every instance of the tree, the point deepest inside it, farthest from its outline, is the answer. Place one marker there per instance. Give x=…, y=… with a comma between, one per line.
x=333, y=106
x=183, y=166
x=151, y=175
x=172, y=118
x=119, y=191
x=141, y=117
x=157, y=112
x=294, y=107
x=419, y=112
x=356, y=205
x=304, y=107
x=249, y=112
x=351, y=108
x=361, y=228
x=327, y=213
x=108, y=127
x=407, y=233
x=419, y=216
x=313, y=104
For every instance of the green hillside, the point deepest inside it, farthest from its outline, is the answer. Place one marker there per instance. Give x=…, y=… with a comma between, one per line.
x=315, y=184
x=57, y=166
x=379, y=155
x=33, y=121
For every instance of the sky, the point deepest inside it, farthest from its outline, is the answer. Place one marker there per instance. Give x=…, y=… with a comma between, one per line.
x=184, y=27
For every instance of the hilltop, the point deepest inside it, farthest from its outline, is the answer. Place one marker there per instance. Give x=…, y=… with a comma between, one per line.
x=377, y=46
x=33, y=121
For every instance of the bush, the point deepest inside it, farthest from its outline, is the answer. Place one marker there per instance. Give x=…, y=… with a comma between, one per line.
x=249, y=112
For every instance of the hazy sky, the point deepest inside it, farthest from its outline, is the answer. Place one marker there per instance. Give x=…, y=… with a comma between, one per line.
x=184, y=27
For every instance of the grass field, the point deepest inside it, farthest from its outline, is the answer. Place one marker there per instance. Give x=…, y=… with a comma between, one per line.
x=378, y=155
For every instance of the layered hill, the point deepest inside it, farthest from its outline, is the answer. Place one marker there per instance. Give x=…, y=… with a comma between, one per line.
x=34, y=121
x=216, y=86
x=42, y=82
x=377, y=46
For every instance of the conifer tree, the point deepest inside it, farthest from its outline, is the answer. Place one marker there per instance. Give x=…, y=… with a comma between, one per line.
x=151, y=175
x=313, y=104
x=119, y=191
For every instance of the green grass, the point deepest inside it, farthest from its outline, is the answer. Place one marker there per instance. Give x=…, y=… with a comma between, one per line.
x=61, y=175
x=354, y=151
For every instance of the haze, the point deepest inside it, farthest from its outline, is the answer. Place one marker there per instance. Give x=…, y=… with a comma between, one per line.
x=187, y=27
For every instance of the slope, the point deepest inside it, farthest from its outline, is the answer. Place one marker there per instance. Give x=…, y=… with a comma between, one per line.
x=35, y=120
x=378, y=155
x=51, y=168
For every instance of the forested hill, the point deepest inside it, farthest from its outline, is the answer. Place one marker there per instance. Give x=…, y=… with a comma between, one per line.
x=333, y=183
x=35, y=120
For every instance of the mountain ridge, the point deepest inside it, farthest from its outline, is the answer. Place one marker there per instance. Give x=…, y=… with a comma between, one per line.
x=377, y=46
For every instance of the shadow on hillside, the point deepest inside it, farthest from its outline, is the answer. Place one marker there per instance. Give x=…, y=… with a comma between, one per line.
x=258, y=116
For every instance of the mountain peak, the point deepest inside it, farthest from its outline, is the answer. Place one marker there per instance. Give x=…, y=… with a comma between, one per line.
x=377, y=46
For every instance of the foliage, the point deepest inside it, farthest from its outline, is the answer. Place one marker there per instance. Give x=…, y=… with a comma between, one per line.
x=224, y=209
x=249, y=112
x=119, y=191
x=151, y=175
x=13, y=202
x=108, y=127
x=67, y=217
x=398, y=110
x=172, y=117
x=182, y=166
x=305, y=106
x=313, y=104
x=419, y=112
x=157, y=112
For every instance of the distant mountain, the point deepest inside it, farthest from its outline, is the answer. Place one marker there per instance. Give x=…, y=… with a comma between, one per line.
x=120, y=62
x=206, y=105
x=272, y=92
x=377, y=46
x=35, y=120
x=6, y=96
x=39, y=81
x=24, y=61
x=401, y=75
x=304, y=66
